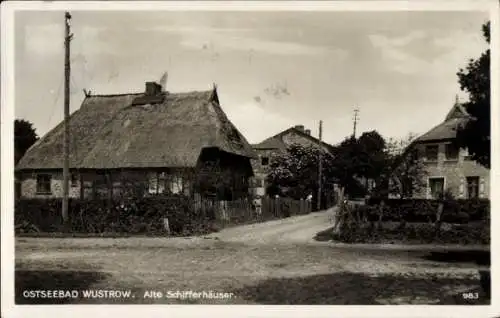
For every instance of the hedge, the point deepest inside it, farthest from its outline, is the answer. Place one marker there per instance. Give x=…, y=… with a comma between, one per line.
x=414, y=221
x=421, y=210
x=133, y=216
x=417, y=233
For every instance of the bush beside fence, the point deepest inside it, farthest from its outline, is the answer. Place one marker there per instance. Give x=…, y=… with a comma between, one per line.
x=134, y=216
x=421, y=210
x=145, y=216
x=416, y=221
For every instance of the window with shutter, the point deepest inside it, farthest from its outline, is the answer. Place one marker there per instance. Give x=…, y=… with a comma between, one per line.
x=472, y=187
x=153, y=183
x=482, y=191
x=462, y=187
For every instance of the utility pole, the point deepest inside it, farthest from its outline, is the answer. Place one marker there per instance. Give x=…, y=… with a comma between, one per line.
x=320, y=165
x=67, y=70
x=356, y=111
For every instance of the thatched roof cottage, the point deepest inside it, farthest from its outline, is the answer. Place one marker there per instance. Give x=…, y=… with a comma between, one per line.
x=153, y=141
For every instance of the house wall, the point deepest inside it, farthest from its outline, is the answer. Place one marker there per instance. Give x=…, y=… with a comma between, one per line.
x=231, y=173
x=258, y=183
x=92, y=182
x=455, y=173
x=28, y=186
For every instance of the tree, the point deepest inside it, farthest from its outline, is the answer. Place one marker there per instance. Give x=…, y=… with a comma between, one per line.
x=406, y=169
x=294, y=173
x=347, y=165
x=24, y=137
x=475, y=79
x=357, y=159
x=372, y=155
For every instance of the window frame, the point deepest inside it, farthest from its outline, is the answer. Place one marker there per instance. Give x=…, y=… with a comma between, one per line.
x=73, y=180
x=427, y=159
x=48, y=182
x=446, y=152
x=468, y=186
x=266, y=158
x=431, y=179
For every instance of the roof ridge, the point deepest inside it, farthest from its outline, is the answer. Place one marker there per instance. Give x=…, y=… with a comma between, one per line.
x=141, y=93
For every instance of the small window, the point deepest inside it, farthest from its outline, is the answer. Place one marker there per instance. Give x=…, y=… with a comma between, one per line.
x=264, y=161
x=472, y=187
x=431, y=153
x=43, y=182
x=74, y=180
x=451, y=152
x=437, y=187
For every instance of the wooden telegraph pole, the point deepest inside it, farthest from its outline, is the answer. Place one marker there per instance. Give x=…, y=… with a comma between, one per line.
x=320, y=166
x=67, y=70
x=356, y=118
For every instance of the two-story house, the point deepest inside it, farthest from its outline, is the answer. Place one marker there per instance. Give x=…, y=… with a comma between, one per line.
x=278, y=144
x=449, y=169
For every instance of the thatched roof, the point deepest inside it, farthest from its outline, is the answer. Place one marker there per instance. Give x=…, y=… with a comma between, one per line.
x=110, y=131
x=276, y=142
x=455, y=118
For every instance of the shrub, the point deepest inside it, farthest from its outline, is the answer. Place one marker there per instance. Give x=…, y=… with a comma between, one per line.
x=422, y=210
x=416, y=233
x=468, y=222
x=135, y=216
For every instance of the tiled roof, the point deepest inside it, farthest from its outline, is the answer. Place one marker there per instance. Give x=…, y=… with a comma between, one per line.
x=455, y=118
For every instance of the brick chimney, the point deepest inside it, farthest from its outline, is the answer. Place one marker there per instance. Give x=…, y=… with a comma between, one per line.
x=300, y=127
x=308, y=131
x=153, y=89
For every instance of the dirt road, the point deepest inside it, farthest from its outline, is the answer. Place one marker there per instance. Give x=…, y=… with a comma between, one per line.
x=277, y=262
x=297, y=229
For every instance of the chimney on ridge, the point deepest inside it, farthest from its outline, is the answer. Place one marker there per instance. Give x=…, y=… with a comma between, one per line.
x=153, y=89
x=308, y=131
x=300, y=127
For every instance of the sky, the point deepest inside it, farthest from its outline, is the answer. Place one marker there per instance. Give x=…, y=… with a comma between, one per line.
x=273, y=70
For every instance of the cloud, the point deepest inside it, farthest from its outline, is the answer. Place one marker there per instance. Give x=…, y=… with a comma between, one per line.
x=379, y=40
x=191, y=29
x=395, y=54
x=49, y=40
x=450, y=52
x=255, y=122
x=241, y=43
x=45, y=39
x=239, y=39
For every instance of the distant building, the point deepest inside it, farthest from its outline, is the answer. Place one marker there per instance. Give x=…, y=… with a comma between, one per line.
x=450, y=169
x=278, y=144
x=152, y=142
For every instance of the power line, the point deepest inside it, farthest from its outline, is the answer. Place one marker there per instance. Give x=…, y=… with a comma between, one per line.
x=55, y=102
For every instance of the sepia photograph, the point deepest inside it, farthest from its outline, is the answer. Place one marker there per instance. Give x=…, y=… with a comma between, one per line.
x=248, y=155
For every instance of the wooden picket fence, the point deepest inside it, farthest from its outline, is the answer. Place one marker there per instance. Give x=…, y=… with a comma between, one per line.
x=243, y=211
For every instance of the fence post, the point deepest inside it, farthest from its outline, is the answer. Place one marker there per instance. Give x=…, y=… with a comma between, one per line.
x=380, y=213
x=166, y=226
x=438, y=216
